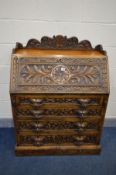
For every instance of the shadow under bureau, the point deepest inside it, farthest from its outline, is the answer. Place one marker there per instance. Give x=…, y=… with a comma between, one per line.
x=59, y=91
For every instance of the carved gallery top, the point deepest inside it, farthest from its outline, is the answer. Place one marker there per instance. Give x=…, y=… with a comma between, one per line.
x=59, y=42
x=59, y=65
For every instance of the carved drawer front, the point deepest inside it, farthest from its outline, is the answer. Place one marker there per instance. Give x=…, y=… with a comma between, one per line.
x=41, y=100
x=57, y=112
x=67, y=124
x=56, y=139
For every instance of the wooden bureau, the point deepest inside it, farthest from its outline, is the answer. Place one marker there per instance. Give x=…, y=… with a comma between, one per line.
x=59, y=91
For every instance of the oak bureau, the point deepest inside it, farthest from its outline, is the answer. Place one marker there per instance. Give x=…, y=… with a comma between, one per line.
x=59, y=90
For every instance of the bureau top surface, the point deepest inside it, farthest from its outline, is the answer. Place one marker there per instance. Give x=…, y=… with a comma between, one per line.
x=62, y=53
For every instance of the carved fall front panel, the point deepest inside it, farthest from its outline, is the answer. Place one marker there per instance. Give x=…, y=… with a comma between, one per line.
x=32, y=74
x=60, y=74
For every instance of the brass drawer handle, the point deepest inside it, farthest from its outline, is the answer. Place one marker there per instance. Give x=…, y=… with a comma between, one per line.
x=37, y=126
x=84, y=100
x=82, y=112
x=80, y=138
x=82, y=125
x=36, y=102
x=37, y=113
x=38, y=141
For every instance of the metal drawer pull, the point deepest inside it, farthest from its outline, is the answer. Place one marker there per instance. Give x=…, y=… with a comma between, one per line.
x=84, y=100
x=80, y=138
x=82, y=125
x=38, y=141
x=82, y=112
x=37, y=113
x=36, y=102
x=37, y=125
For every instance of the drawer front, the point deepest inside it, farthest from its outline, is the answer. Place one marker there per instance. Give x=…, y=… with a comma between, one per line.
x=36, y=113
x=57, y=119
x=43, y=140
x=58, y=124
x=41, y=100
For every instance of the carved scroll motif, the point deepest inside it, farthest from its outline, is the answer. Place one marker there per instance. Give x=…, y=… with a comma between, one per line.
x=59, y=42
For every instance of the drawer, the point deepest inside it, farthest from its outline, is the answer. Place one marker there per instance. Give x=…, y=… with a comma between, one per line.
x=58, y=124
x=56, y=139
x=25, y=112
x=78, y=100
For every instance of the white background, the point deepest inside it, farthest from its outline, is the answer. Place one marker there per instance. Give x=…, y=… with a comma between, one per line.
x=21, y=20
